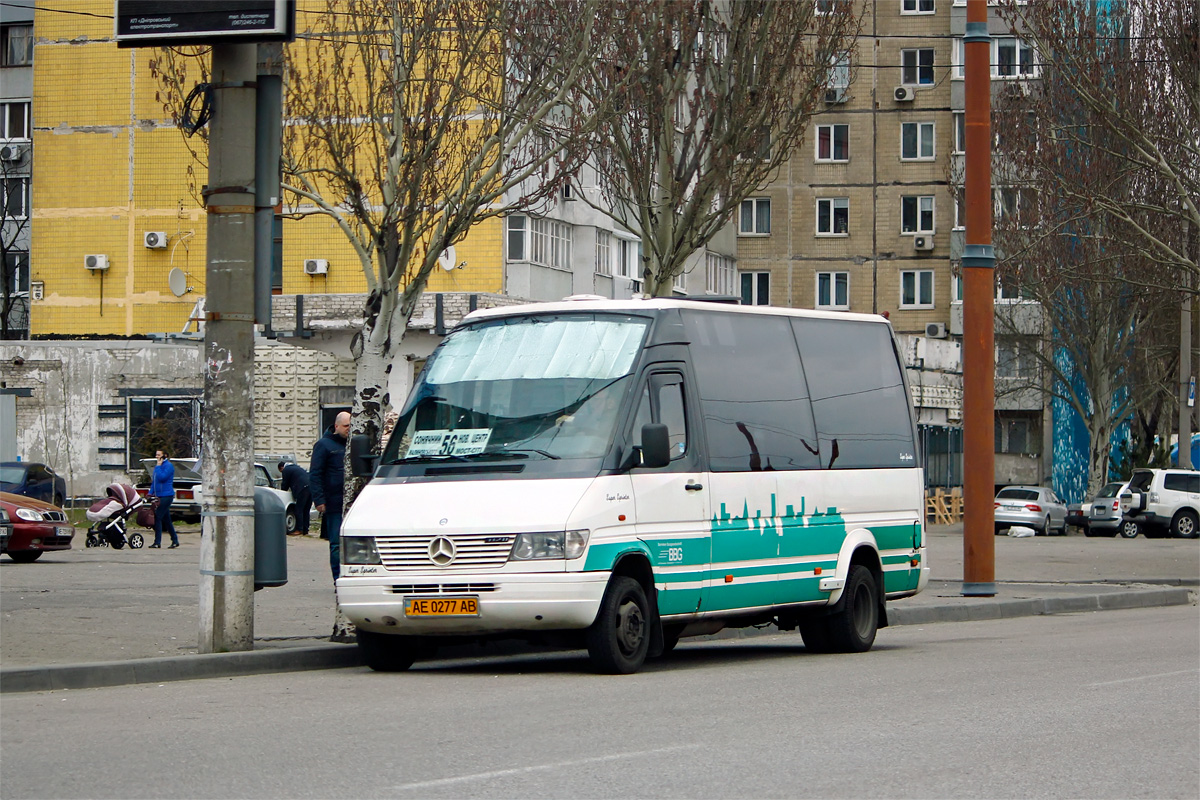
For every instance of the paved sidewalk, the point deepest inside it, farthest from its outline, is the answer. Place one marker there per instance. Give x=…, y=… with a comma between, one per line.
x=98, y=617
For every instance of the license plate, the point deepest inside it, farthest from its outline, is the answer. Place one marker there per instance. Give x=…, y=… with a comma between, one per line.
x=1012, y=508
x=441, y=607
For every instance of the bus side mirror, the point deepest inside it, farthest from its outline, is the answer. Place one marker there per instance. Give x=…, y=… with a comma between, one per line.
x=362, y=460
x=656, y=445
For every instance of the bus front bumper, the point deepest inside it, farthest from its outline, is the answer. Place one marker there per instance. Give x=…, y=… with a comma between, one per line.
x=506, y=602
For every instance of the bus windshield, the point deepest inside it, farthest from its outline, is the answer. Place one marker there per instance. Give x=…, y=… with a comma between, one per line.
x=543, y=386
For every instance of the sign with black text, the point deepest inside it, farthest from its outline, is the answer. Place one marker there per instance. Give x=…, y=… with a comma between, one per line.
x=150, y=23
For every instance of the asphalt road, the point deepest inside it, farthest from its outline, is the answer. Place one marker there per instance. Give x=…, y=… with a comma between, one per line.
x=1089, y=705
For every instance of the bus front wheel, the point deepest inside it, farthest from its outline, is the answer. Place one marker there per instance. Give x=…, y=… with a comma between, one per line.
x=618, y=640
x=852, y=630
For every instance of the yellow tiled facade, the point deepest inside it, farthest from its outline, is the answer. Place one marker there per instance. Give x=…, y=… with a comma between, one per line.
x=110, y=166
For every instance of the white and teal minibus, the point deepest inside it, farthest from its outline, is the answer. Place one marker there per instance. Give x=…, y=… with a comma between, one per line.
x=621, y=474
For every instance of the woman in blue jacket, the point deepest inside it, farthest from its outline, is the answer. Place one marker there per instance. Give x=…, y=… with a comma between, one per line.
x=162, y=488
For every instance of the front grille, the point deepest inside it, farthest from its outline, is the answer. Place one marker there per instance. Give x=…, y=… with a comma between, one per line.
x=472, y=551
x=442, y=588
x=54, y=516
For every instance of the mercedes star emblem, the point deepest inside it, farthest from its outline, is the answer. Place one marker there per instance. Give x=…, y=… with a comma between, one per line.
x=441, y=551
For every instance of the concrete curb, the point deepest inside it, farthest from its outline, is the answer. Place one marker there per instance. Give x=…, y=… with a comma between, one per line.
x=336, y=656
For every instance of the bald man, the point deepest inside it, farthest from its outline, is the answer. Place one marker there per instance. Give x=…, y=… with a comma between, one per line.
x=327, y=477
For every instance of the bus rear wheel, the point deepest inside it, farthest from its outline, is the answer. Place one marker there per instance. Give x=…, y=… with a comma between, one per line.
x=853, y=628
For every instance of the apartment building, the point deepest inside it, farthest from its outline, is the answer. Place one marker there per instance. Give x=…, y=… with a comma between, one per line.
x=867, y=218
x=16, y=158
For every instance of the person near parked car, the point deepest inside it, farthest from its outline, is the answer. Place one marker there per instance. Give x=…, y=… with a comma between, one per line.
x=327, y=479
x=162, y=489
x=293, y=478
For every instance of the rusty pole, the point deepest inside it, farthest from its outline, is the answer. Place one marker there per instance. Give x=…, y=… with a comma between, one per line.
x=978, y=353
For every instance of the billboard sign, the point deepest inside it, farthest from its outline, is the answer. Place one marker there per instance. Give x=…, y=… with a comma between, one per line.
x=150, y=23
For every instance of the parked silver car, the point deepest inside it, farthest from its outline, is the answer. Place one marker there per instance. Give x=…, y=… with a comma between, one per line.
x=1032, y=506
x=1104, y=513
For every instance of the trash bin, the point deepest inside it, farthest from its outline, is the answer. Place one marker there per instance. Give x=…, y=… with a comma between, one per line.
x=270, y=539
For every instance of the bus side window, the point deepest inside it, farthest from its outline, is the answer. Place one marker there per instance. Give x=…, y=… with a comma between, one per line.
x=662, y=401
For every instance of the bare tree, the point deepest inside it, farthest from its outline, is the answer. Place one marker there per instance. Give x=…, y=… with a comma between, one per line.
x=719, y=94
x=1100, y=288
x=410, y=121
x=1120, y=81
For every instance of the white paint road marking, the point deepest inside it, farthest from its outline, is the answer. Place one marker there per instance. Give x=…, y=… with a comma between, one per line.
x=505, y=773
x=1144, y=678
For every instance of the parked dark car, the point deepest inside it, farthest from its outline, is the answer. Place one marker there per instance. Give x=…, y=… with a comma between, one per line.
x=31, y=479
x=37, y=527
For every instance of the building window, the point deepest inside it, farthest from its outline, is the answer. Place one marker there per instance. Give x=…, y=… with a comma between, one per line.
x=16, y=268
x=833, y=216
x=549, y=243
x=603, y=253
x=916, y=288
x=833, y=143
x=720, y=273
x=960, y=132
x=1009, y=287
x=916, y=7
x=1018, y=434
x=14, y=120
x=916, y=141
x=1015, y=201
x=16, y=45
x=830, y=6
x=1016, y=357
x=960, y=207
x=16, y=198
x=166, y=423
x=958, y=59
x=916, y=214
x=756, y=288
x=833, y=290
x=916, y=66
x=839, y=71
x=956, y=281
x=516, y=237
x=628, y=254
x=755, y=217
x=1013, y=58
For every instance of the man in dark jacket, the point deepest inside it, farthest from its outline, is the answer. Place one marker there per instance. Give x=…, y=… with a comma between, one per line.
x=327, y=478
x=293, y=478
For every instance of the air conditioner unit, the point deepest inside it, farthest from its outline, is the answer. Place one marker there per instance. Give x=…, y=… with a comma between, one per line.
x=95, y=262
x=154, y=240
x=10, y=152
x=905, y=93
x=935, y=330
x=923, y=242
x=316, y=266
x=838, y=95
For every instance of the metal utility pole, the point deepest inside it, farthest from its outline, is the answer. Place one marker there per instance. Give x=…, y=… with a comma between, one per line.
x=979, y=354
x=1185, y=371
x=227, y=546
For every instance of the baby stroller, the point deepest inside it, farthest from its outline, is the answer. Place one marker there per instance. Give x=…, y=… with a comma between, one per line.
x=108, y=518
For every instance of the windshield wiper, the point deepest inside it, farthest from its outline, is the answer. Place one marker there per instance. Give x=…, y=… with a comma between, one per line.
x=523, y=450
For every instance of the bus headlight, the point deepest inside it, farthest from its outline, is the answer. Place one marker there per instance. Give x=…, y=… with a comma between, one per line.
x=539, y=546
x=359, y=550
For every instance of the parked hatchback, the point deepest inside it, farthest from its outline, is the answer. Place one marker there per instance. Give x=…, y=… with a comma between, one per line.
x=1032, y=506
x=1104, y=513
x=32, y=479
x=36, y=528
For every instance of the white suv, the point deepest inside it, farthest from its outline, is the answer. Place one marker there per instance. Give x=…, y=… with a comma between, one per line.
x=1164, y=502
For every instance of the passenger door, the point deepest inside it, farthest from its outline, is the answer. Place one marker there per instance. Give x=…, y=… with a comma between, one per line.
x=672, y=502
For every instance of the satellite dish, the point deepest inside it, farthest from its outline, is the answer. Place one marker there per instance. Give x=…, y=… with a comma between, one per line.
x=446, y=259
x=177, y=280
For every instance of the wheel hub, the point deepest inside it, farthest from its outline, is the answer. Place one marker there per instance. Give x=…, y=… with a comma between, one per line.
x=631, y=627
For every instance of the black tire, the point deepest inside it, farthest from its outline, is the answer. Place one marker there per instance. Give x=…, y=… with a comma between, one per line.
x=853, y=629
x=1185, y=524
x=25, y=556
x=136, y=540
x=1129, y=529
x=1093, y=533
x=383, y=652
x=815, y=632
x=289, y=520
x=619, y=638
x=1045, y=530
